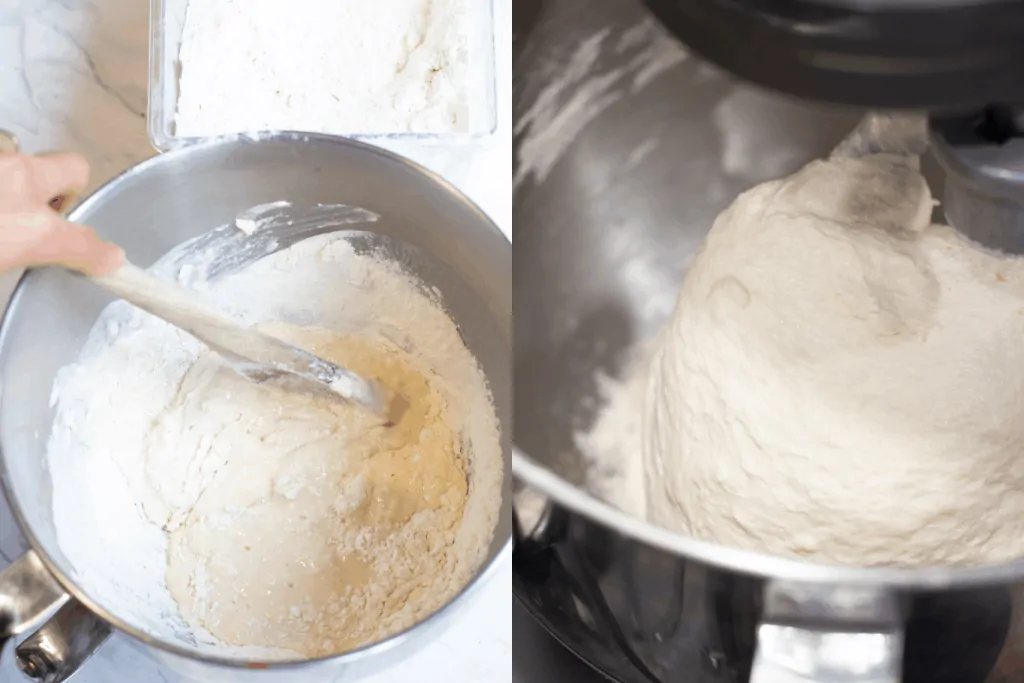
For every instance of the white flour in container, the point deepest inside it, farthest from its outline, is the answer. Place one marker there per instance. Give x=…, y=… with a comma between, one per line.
x=330, y=66
x=244, y=519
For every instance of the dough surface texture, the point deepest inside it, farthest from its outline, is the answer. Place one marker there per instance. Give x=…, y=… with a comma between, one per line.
x=842, y=380
x=249, y=519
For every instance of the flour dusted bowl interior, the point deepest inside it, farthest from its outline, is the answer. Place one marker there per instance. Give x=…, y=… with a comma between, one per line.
x=422, y=225
x=611, y=212
x=617, y=188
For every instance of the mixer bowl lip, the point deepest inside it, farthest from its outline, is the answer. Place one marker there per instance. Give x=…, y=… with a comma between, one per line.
x=484, y=573
x=748, y=562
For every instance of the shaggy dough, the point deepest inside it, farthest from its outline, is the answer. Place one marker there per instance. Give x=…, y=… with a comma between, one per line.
x=284, y=490
x=842, y=380
x=253, y=522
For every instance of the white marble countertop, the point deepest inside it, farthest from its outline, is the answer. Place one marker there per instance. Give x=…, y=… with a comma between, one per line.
x=73, y=77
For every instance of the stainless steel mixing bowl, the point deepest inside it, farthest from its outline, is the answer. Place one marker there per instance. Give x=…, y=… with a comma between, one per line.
x=626, y=149
x=434, y=231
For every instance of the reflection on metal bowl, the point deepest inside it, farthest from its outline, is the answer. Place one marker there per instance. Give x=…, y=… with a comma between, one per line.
x=433, y=231
x=626, y=149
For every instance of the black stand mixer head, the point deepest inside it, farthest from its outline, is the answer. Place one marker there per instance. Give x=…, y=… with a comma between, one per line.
x=894, y=54
x=960, y=60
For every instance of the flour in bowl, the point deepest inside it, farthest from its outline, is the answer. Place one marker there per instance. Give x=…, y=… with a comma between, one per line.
x=328, y=66
x=246, y=519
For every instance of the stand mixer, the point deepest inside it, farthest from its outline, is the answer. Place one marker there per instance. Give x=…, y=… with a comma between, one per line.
x=957, y=59
x=625, y=154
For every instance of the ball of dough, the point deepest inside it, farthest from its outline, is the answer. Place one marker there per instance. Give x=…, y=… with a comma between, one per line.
x=841, y=380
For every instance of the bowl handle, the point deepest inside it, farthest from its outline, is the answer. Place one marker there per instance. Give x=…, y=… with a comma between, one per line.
x=828, y=634
x=57, y=651
x=27, y=594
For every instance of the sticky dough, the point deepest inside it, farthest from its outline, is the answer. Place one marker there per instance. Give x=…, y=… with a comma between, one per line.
x=842, y=380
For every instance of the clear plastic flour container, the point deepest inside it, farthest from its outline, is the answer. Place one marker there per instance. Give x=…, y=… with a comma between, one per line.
x=167, y=21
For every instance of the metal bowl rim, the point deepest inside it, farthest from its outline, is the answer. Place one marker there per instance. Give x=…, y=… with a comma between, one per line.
x=484, y=573
x=748, y=562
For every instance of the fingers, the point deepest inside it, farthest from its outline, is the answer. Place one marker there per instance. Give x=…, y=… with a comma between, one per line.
x=31, y=234
x=80, y=248
x=44, y=238
x=34, y=181
x=58, y=174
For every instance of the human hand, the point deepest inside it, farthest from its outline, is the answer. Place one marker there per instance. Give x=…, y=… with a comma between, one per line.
x=34, y=234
